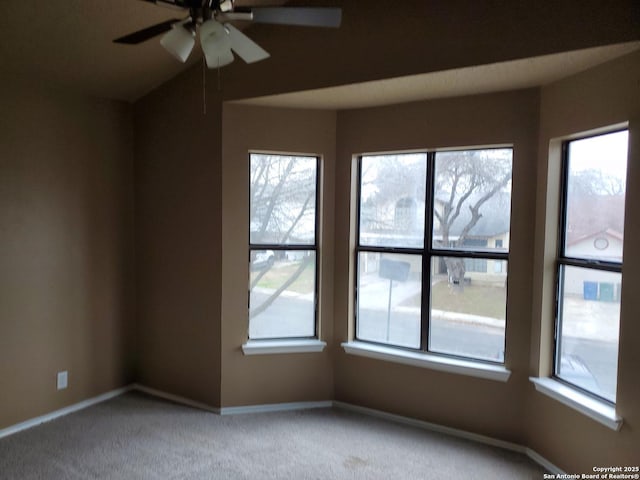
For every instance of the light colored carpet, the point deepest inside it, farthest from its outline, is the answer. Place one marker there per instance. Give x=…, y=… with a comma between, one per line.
x=140, y=437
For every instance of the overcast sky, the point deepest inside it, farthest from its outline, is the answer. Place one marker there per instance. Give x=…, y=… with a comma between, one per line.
x=607, y=153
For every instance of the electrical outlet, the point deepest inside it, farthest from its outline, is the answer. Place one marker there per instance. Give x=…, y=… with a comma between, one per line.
x=63, y=378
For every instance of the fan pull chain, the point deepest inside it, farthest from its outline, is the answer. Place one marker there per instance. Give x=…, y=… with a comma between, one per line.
x=204, y=83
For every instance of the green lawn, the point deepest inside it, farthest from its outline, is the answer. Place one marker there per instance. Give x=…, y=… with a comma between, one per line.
x=279, y=274
x=481, y=300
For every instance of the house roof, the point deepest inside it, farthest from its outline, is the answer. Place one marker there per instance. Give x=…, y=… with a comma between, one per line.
x=589, y=215
x=601, y=233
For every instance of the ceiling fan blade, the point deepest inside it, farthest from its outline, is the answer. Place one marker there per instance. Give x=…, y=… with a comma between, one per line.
x=170, y=3
x=302, y=16
x=246, y=48
x=147, y=33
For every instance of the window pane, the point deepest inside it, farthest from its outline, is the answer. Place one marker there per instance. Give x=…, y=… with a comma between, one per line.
x=596, y=186
x=389, y=292
x=283, y=199
x=472, y=199
x=282, y=293
x=392, y=200
x=587, y=353
x=468, y=309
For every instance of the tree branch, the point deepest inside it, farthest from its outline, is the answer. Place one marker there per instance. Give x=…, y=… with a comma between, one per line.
x=300, y=215
x=475, y=209
x=267, y=303
x=274, y=196
x=260, y=275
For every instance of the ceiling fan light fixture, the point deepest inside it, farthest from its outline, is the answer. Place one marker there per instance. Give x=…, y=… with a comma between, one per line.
x=226, y=6
x=179, y=41
x=216, y=44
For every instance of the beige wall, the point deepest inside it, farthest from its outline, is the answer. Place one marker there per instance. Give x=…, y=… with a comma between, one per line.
x=66, y=248
x=507, y=118
x=68, y=290
x=250, y=380
x=180, y=182
x=601, y=97
x=178, y=214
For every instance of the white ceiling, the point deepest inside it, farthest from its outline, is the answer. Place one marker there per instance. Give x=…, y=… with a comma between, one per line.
x=511, y=75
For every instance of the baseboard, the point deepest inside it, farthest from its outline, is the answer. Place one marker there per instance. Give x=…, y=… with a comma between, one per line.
x=282, y=407
x=18, y=427
x=174, y=398
x=275, y=407
x=543, y=462
x=264, y=408
x=434, y=427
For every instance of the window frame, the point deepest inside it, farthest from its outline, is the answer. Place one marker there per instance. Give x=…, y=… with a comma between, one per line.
x=427, y=253
x=563, y=260
x=283, y=247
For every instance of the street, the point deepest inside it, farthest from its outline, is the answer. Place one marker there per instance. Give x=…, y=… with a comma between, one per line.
x=292, y=316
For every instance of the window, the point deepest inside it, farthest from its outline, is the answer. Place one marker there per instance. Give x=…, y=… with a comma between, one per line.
x=432, y=251
x=283, y=246
x=590, y=263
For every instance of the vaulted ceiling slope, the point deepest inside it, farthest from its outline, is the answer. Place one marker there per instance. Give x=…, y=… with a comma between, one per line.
x=478, y=79
x=70, y=42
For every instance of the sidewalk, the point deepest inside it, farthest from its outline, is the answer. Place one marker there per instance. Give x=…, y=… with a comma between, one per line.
x=376, y=297
x=584, y=319
x=591, y=319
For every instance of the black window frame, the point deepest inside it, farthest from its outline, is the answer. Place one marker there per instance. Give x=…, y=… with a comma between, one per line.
x=427, y=253
x=277, y=247
x=563, y=261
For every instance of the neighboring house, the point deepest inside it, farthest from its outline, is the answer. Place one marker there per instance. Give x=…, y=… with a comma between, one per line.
x=401, y=223
x=603, y=244
x=594, y=226
x=594, y=230
x=491, y=232
x=595, y=284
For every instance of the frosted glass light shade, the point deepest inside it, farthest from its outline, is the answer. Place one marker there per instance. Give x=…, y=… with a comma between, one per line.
x=216, y=44
x=179, y=42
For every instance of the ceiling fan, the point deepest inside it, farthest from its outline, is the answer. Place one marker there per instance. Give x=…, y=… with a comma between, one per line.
x=210, y=18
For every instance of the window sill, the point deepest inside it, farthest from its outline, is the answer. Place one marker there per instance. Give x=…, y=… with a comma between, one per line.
x=599, y=411
x=271, y=347
x=425, y=360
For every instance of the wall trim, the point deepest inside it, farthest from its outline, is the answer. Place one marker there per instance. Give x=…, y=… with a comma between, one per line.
x=33, y=422
x=275, y=407
x=282, y=407
x=242, y=409
x=426, y=360
x=454, y=432
x=271, y=347
x=174, y=398
x=597, y=410
x=543, y=462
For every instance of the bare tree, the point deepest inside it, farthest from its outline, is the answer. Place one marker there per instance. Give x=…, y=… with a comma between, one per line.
x=465, y=182
x=306, y=261
x=282, y=196
x=595, y=203
x=282, y=203
x=389, y=184
x=595, y=182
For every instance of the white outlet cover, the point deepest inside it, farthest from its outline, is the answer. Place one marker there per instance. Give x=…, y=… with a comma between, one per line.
x=63, y=378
